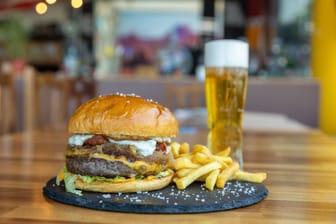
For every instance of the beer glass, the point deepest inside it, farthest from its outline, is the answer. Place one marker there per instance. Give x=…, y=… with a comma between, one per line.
x=226, y=64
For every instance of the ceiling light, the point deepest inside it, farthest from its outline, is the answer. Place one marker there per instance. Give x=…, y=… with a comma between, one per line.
x=76, y=3
x=41, y=8
x=50, y=2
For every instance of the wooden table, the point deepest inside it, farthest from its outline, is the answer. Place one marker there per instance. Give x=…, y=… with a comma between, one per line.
x=301, y=169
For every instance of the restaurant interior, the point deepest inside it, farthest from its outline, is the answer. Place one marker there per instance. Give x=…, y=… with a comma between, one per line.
x=57, y=54
x=81, y=49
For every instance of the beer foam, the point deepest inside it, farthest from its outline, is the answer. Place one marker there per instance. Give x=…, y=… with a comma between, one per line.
x=226, y=53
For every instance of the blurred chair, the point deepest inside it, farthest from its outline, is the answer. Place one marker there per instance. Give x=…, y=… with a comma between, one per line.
x=185, y=95
x=46, y=100
x=81, y=89
x=7, y=104
x=146, y=71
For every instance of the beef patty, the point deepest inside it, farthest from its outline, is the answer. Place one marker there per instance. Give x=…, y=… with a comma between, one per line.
x=80, y=160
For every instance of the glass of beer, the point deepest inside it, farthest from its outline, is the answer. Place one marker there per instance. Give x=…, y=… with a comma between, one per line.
x=226, y=64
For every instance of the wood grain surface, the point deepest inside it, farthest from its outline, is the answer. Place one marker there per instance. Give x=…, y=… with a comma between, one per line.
x=301, y=169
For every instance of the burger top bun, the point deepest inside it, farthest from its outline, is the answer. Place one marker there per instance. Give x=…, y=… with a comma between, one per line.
x=122, y=116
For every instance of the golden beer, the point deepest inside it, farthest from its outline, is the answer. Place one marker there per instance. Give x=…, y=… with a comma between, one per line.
x=225, y=98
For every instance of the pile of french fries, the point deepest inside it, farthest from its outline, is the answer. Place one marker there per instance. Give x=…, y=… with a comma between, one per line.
x=199, y=164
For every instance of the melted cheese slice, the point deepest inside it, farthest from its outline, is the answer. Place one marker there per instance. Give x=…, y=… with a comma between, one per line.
x=138, y=165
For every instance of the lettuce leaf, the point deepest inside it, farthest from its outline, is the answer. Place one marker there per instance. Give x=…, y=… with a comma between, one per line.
x=69, y=181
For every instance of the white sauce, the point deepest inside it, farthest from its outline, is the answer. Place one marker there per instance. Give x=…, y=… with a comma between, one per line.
x=78, y=139
x=144, y=148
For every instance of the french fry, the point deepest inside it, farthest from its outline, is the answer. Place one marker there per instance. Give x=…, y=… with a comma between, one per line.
x=202, y=178
x=184, y=148
x=187, y=156
x=201, y=165
x=225, y=161
x=247, y=176
x=211, y=179
x=224, y=153
x=183, y=172
x=226, y=174
x=184, y=162
x=202, y=148
x=183, y=182
x=201, y=158
x=175, y=148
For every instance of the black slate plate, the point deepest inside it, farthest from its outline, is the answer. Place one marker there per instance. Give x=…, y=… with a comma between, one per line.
x=170, y=200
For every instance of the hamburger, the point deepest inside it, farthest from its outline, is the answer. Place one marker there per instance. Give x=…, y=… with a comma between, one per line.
x=119, y=143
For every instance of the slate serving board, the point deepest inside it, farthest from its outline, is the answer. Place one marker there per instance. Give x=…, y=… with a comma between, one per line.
x=170, y=200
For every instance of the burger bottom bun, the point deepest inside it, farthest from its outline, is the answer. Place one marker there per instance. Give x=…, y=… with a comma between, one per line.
x=127, y=186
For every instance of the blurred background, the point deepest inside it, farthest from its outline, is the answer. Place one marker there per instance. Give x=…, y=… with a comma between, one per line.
x=116, y=37
x=144, y=46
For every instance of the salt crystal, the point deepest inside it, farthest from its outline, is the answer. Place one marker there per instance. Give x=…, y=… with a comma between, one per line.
x=106, y=196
